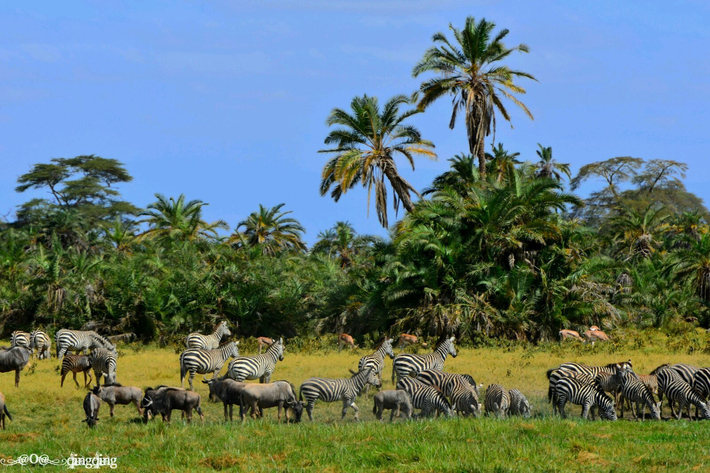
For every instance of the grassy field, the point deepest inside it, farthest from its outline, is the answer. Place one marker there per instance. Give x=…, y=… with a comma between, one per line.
x=47, y=420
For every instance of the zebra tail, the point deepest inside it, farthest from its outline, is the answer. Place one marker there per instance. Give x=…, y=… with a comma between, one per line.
x=300, y=393
x=241, y=405
x=549, y=372
x=183, y=370
x=7, y=413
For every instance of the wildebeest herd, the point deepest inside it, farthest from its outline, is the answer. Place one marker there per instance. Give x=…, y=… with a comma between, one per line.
x=420, y=382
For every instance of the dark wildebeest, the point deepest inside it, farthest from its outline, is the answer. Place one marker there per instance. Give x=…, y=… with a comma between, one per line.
x=3, y=412
x=397, y=400
x=227, y=390
x=92, y=404
x=113, y=394
x=166, y=399
x=279, y=394
x=14, y=359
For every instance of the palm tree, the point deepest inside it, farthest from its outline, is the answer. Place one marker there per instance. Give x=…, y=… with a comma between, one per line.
x=462, y=175
x=366, y=143
x=270, y=230
x=635, y=230
x=548, y=167
x=501, y=161
x=170, y=218
x=343, y=243
x=470, y=70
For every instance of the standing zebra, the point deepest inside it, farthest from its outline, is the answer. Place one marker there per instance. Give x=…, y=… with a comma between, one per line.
x=701, y=383
x=637, y=392
x=257, y=367
x=78, y=340
x=427, y=398
x=519, y=405
x=19, y=338
x=497, y=401
x=460, y=389
x=611, y=368
x=407, y=364
x=197, y=360
x=340, y=389
x=571, y=389
x=76, y=364
x=208, y=342
x=376, y=361
x=41, y=342
x=103, y=361
x=671, y=384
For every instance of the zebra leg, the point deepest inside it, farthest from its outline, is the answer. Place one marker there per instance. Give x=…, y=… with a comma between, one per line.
x=309, y=408
x=680, y=410
x=356, y=409
x=346, y=404
x=86, y=373
x=621, y=398
x=585, y=411
x=192, y=377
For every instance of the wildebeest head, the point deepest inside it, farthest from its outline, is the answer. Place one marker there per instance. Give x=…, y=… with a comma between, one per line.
x=297, y=408
x=213, y=384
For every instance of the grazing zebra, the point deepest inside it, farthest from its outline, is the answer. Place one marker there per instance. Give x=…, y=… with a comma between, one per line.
x=685, y=372
x=637, y=392
x=701, y=383
x=461, y=389
x=257, y=367
x=671, y=384
x=408, y=364
x=554, y=375
x=19, y=338
x=208, y=342
x=340, y=389
x=611, y=368
x=610, y=383
x=41, y=342
x=497, y=401
x=427, y=398
x=376, y=361
x=103, y=362
x=572, y=389
x=197, y=360
x=519, y=405
x=78, y=340
x=76, y=364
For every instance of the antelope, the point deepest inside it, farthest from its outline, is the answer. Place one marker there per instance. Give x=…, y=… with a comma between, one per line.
x=596, y=336
x=264, y=342
x=594, y=328
x=345, y=339
x=406, y=339
x=567, y=334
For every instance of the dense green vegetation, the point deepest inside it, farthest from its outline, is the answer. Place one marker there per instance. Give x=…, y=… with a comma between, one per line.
x=497, y=245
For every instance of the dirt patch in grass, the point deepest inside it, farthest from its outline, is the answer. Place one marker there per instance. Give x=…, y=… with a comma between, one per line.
x=19, y=437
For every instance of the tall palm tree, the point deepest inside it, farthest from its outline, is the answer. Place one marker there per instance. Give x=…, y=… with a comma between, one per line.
x=175, y=219
x=271, y=230
x=365, y=145
x=548, y=167
x=635, y=230
x=470, y=70
x=343, y=243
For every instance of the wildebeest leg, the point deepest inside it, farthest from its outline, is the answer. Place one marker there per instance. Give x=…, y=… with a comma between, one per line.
x=231, y=407
x=278, y=418
x=254, y=408
x=112, y=406
x=17, y=378
x=189, y=415
x=225, y=411
x=87, y=383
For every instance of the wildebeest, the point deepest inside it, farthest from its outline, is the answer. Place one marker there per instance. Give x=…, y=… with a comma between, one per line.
x=3, y=412
x=113, y=394
x=263, y=396
x=14, y=359
x=76, y=364
x=397, y=400
x=92, y=404
x=164, y=400
x=227, y=390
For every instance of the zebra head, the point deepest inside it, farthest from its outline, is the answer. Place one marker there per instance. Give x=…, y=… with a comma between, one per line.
x=705, y=410
x=232, y=350
x=387, y=347
x=451, y=347
x=278, y=348
x=656, y=410
x=223, y=330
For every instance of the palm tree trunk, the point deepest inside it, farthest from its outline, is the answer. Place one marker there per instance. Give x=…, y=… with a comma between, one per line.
x=481, y=156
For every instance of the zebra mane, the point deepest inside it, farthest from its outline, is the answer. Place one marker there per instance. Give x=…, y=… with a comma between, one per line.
x=660, y=368
x=102, y=341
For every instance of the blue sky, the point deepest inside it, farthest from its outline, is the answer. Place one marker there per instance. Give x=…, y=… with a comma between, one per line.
x=226, y=101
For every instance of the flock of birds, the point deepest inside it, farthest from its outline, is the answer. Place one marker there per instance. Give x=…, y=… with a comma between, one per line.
x=419, y=380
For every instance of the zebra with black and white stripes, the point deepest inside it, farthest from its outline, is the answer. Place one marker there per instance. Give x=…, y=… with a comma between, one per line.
x=497, y=401
x=339, y=389
x=376, y=361
x=425, y=397
x=409, y=364
x=611, y=368
x=258, y=367
x=76, y=364
x=460, y=389
x=672, y=385
x=208, y=342
x=18, y=338
x=701, y=383
x=637, y=392
x=554, y=376
x=197, y=360
x=104, y=363
x=519, y=405
x=588, y=395
x=41, y=342
x=79, y=341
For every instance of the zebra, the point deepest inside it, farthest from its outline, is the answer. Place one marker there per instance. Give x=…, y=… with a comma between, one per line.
x=76, y=364
x=40, y=340
x=340, y=389
x=497, y=401
x=78, y=340
x=519, y=405
x=406, y=364
x=574, y=390
x=103, y=361
x=610, y=383
x=637, y=392
x=554, y=375
x=671, y=384
x=427, y=398
x=18, y=338
x=208, y=342
x=257, y=367
x=461, y=389
x=197, y=360
x=376, y=361
x=611, y=368
x=701, y=383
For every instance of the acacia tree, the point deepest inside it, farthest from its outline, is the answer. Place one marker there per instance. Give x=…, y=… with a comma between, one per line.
x=470, y=69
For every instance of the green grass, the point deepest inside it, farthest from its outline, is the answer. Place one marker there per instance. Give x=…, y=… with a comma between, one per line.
x=47, y=420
